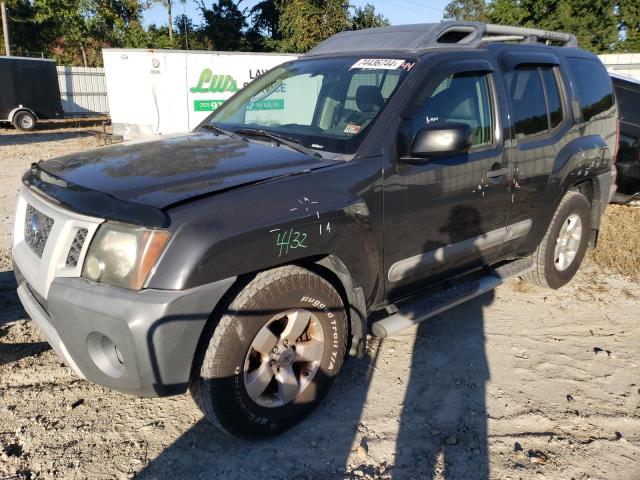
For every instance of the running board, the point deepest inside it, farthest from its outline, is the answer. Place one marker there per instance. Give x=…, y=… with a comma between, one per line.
x=428, y=307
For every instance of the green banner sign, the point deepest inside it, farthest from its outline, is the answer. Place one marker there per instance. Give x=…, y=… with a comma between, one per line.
x=206, y=105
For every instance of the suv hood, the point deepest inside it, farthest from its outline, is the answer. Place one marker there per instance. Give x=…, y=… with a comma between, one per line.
x=168, y=170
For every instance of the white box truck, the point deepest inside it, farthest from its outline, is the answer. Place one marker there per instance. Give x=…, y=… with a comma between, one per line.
x=156, y=92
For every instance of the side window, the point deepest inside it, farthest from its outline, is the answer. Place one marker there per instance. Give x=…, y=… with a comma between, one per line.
x=527, y=102
x=593, y=85
x=462, y=98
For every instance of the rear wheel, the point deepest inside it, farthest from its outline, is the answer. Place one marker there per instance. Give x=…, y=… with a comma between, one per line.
x=563, y=247
x=24, y=120
x=273, y=355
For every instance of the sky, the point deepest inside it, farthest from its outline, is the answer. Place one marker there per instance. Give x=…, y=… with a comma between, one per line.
x=398, y=11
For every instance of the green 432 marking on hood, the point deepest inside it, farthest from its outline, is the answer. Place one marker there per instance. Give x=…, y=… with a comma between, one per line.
x=208, y=82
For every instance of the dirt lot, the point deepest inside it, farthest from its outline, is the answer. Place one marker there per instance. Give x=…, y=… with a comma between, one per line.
x=521, y=383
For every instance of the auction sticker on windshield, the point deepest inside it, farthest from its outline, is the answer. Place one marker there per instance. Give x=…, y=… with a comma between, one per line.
x=378, y=63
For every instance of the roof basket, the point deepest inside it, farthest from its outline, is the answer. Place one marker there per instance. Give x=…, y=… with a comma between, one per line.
x=473, y=33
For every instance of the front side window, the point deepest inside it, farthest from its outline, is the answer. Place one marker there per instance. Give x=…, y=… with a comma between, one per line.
x=323, y=104
x=459, y=98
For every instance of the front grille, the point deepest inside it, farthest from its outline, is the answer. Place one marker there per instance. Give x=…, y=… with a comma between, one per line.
x=76, y=248
x=37, y=227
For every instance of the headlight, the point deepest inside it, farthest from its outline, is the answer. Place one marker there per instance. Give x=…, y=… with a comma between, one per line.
x=123, y=255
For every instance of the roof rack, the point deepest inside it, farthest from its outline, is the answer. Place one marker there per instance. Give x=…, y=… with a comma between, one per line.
x=419, y=37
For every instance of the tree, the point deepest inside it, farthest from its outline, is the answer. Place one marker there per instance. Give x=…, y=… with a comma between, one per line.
x=305, y=23
x=183, y=26
x=629, y=11
x=265, y=18
x=223, y=24
x=466, y=10
x=26, y=35
x=506, y=12
x=366, y=17
x=168, y=4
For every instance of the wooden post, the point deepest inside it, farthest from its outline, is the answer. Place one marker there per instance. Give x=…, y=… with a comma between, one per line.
x=5, y=29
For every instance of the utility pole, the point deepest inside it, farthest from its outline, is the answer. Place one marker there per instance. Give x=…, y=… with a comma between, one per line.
x=5, y=29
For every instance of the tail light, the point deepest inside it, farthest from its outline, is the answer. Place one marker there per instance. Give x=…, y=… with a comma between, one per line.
x=617, y=147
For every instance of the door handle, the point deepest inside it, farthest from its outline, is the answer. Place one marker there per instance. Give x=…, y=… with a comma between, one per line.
x=497, y=173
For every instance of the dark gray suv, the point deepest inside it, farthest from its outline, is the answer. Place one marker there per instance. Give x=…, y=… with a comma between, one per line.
x=382, y=178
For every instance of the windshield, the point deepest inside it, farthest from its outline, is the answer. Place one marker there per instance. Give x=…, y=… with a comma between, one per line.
x=324, y=104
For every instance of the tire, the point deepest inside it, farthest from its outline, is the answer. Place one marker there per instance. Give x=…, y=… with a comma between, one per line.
x=24, y=120
x=275, y=303
x=550, y=269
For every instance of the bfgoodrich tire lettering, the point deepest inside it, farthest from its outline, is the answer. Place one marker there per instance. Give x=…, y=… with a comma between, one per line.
x=219, y=388
x=545, y=272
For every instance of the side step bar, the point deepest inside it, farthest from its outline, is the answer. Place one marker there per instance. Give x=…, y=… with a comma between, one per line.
x=428, y=307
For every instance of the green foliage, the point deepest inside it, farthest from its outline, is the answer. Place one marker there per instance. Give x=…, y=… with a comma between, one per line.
x=467, y=10
x=506, y=12
x=630, y=25
x=599, y=25
x=72, y=30
x=223, y=24
x=27, y=35
x=366, y=17
x=305, y=23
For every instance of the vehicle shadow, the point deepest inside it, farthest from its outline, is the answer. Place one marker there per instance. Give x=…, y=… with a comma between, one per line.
x=41, y=137
x=11, y=310
x=442, y=426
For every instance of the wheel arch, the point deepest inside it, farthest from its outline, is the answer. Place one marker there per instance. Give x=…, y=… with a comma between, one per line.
x=329, y=267
x=19, y=109
x=333, y=269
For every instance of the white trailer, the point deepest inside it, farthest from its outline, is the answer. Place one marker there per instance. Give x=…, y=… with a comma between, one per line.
x=154, y=92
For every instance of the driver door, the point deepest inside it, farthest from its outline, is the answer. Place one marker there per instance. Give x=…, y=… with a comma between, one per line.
x=447, y=214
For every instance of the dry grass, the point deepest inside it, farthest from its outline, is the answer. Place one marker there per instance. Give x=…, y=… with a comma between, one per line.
x=619, y=241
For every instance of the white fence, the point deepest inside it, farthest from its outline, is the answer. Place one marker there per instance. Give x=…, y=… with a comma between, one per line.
x=83, y=91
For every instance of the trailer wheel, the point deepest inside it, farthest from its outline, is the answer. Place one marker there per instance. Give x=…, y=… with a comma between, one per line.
x=24, y=120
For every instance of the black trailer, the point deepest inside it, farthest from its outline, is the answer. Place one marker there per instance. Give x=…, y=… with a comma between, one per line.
x=29, y=91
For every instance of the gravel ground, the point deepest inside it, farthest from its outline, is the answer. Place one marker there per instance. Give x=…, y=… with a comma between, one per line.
x=522, y=383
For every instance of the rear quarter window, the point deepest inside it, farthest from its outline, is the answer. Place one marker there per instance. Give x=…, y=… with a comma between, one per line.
x=593, y=86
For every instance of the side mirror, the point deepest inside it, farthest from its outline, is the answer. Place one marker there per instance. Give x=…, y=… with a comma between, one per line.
x=440, y=139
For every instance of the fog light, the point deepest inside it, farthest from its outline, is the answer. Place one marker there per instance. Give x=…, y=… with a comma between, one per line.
x=105, y=355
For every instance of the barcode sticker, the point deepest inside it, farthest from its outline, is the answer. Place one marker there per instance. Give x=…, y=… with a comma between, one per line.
x=378, y=64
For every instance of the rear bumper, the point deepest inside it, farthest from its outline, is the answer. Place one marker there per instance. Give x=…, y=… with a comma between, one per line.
x=140, y=343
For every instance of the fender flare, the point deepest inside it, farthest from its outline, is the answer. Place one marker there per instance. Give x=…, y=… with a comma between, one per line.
x=355, y=298
x=20, y=108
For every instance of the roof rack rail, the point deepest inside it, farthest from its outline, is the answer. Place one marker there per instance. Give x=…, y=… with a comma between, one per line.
x=488, y=32
x=421, y=37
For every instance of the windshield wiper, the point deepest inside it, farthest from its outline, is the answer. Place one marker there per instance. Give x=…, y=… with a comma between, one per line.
x=289, y=142
x=223, y=131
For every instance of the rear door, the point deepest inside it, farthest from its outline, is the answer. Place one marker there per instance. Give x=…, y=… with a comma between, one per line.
x=539, y=122
x=448, y=214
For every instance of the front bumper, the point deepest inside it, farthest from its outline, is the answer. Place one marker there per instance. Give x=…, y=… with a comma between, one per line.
x=141, y=343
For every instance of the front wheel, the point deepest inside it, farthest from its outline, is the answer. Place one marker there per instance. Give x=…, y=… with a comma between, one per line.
x=273, y=355
x=563, y=247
